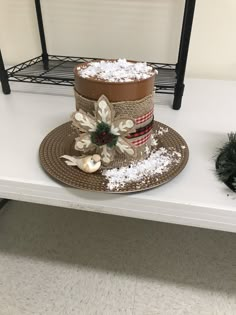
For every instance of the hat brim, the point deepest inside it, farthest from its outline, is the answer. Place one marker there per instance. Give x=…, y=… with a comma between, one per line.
x=60, y=141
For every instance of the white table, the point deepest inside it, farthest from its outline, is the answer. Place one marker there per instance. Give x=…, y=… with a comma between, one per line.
x=195, y=197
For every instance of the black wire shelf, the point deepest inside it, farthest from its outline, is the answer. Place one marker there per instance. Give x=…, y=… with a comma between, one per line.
x=59, y=71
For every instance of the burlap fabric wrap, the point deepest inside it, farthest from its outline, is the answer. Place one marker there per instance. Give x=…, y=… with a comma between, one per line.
x=133, y=109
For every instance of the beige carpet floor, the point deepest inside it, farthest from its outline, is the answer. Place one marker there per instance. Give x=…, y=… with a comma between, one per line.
x=56, y=261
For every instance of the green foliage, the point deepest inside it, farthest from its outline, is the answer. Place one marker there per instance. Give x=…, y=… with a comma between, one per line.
x=103, y=135
x=226, y=162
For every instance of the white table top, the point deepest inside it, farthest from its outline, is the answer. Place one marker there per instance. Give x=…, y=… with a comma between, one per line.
x=195, y=197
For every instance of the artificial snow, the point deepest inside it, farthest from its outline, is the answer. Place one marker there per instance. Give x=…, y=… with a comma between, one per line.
x=120, y=70
x=158, y=162
x=162, y=130
x=154, y=141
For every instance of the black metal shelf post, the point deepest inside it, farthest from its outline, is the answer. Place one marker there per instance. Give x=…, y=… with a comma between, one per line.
x=41, y=34
x=183, y=52
x=4, y=77
x=58, y=70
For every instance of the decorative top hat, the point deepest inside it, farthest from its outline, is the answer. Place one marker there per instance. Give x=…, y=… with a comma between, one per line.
x=114, y=128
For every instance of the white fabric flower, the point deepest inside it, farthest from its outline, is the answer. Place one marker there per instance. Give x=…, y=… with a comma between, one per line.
x=104, y=133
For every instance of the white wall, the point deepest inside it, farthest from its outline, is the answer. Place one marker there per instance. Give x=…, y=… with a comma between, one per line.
x=213, y=45
x=137, y=29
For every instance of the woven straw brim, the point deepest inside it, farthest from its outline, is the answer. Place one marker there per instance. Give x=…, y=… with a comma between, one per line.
x=60, y=141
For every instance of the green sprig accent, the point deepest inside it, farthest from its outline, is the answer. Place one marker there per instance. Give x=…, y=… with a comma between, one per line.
x=103, y=135
x=226, y=162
